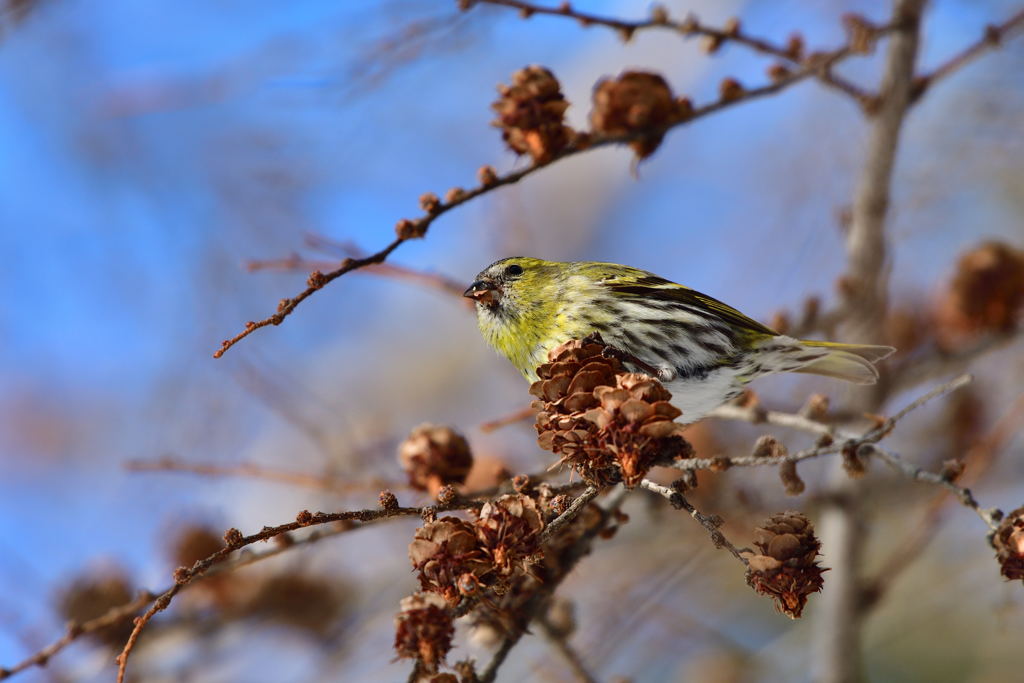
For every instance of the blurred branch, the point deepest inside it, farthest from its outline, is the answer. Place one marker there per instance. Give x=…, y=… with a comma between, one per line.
x=121, y=612
x=244, y=469
x=710, y=522
x=570, y=513
x=234, y=540
x=559, y=639
x=849, y=444
x=990, y=39
x=521, y=415
x=75, y=631
x=792, y=53
x=977, y=461
x=915, y=370
x=540, y=599
x=295, y=262
x=865, y=288
x=417, y=228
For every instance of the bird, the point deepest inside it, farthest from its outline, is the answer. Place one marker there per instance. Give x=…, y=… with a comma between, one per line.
x=704, y=351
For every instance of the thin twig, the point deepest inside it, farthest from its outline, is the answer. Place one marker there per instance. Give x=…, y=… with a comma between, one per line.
x=75, y=631
x=990, y=39
x=978, y=460
x=120, y=612
x=295, y=262
x=990, y=516
x=688, y=27
x=318, y=280
x=574, y=509
x=521, y=415
x=863, y=445
x=540, y=599
x=560, y=641
x=234, y=541
x=709, y=522
x=245, y=469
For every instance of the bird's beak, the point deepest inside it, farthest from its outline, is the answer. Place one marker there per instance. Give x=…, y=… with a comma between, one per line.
x=483, y=292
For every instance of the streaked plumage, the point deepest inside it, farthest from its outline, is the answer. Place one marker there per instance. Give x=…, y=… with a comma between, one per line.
x=704, y=351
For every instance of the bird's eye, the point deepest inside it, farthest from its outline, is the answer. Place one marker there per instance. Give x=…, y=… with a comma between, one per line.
x=514, y=270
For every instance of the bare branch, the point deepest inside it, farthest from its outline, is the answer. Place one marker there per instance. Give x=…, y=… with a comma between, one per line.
x=75, y=631
x=417, y=228
x=234, y=540
x=710, y=522
x=689, y=27
x=990, y=516
x=541, y=598
x=557, y=524
x=560, y=641
x=992, y=38
x=521, y=415
x=245, y=469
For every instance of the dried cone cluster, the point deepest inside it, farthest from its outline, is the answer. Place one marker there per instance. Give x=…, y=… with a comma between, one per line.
x=1009, y=544
x=785, y=568
x=608, y=424
x=93, y=595
x=509, y=529
x=434, y=456
x=455, y=557
x=531, y=114
x=636, y=100
x=986, y=294
x=424, y=630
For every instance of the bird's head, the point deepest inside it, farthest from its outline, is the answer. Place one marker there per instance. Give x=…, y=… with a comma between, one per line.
x=507, y=287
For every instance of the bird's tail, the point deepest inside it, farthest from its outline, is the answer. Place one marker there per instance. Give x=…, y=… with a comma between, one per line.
x=850, y=362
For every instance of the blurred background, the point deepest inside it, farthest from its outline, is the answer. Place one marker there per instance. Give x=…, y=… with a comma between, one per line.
x=152, y=149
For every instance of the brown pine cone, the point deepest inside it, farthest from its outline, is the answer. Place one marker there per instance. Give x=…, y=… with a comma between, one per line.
x=424, y=630
x=986, y=294
x=608, y=424
x=509, y=529
x=434, y=456
x=785, y=568
x=1009, y=544
x=636, y=100
x=531, y=114
x=444, y=550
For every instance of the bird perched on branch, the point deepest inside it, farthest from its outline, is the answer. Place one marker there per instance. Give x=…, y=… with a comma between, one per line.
x=704, y=351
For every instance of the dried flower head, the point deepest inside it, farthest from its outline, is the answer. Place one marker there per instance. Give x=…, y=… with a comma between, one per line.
x=424, y=630
x=433, y=456
x=1008, y=541
x=509, y=532
x=444, y=550
x=635, y=101
x=193, y=543
x=312, y=604
x=531, y=114
x=986, y=294
x=94, y=594
x=784, y=567
x=608, y=424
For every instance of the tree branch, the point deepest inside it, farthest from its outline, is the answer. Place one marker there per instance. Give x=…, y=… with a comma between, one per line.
x=792, y=53
x=540, y=599
x=246, y=469
x=992, y=38
x=710, y=522
x=234, y=540
x=417, y=228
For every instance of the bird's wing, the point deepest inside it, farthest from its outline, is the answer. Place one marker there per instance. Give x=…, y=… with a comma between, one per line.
x=654, y=288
